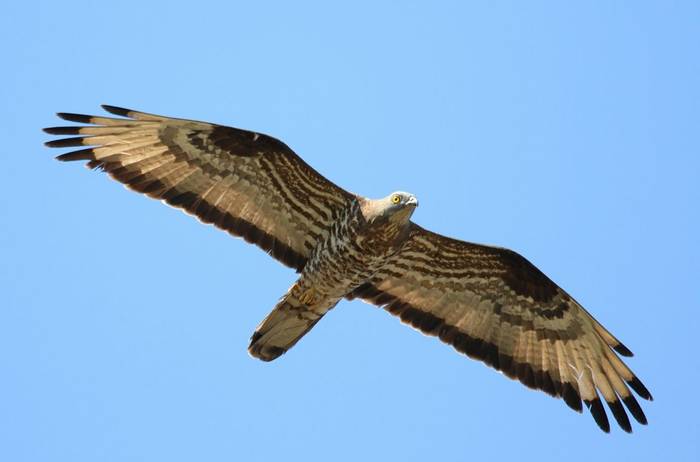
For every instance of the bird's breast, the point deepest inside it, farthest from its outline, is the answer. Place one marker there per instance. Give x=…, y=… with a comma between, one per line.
x=351, y=254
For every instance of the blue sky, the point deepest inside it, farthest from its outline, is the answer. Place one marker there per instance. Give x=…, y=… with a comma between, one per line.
x=566, y=132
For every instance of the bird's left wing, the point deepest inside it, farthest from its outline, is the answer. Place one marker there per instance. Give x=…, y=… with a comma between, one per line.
x=493, y=305
x=249, y=184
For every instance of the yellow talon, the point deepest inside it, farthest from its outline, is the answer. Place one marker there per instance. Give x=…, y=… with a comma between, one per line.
x=308, y=297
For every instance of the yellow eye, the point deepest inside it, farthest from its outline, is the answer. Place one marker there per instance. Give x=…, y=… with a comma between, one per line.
x=395, y=199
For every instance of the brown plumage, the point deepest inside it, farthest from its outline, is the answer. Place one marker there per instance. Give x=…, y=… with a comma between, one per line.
x=488, y=303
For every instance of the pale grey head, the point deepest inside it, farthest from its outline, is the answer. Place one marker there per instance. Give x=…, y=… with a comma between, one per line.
x=396, y=207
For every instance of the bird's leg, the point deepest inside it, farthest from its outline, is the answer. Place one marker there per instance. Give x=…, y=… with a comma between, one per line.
x=305, y=296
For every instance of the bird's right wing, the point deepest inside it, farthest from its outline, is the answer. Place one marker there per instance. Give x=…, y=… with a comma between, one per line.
x=495, y=306
x=249, y=184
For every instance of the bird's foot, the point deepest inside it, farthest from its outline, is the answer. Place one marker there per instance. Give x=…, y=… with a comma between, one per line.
x=305, y=296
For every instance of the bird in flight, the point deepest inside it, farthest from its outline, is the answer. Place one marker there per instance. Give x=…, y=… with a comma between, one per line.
x=489, y=303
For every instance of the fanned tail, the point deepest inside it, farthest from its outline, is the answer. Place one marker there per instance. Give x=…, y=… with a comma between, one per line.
x=288, y=322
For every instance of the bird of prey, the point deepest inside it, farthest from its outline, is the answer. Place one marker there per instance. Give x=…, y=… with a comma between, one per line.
x=489, y=303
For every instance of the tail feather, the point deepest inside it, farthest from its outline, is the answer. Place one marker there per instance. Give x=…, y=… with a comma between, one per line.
x=288, y=322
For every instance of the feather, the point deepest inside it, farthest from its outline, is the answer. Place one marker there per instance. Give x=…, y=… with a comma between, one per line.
x=184, y=159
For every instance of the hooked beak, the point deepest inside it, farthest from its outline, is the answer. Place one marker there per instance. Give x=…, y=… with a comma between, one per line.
x=412, y=201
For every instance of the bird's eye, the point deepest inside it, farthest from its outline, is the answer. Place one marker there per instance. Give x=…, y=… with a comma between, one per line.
x=395, y=199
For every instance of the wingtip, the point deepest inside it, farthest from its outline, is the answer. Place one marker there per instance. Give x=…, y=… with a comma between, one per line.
x=571, y=397
x=640, y=389
x=618, y=412
x=83, y=154
x=120, y=111
x=62, y=130
x=65, y=142
x=72, y=117
x=598, y=412
x=635, y=409
x=623, y=350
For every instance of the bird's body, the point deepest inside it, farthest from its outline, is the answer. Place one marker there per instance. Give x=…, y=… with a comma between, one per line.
x=487, y=302
x=359, y=243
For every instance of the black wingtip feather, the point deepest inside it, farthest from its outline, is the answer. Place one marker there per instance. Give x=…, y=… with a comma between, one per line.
x=639, y=387
x=62, y=130
x=620, y=415
x=623, y=350
x=80, y=118
x=635, y=409
x=65, y=142
x=599, y=415
x=571, y=397
x=120, y=111
x=83, y=154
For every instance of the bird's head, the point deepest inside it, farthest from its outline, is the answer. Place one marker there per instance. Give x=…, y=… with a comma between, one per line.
x=397, y=207
x=400, y=200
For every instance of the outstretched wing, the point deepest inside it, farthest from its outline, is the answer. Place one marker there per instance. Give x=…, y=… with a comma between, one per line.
x=246, y=183
x=493, y=305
